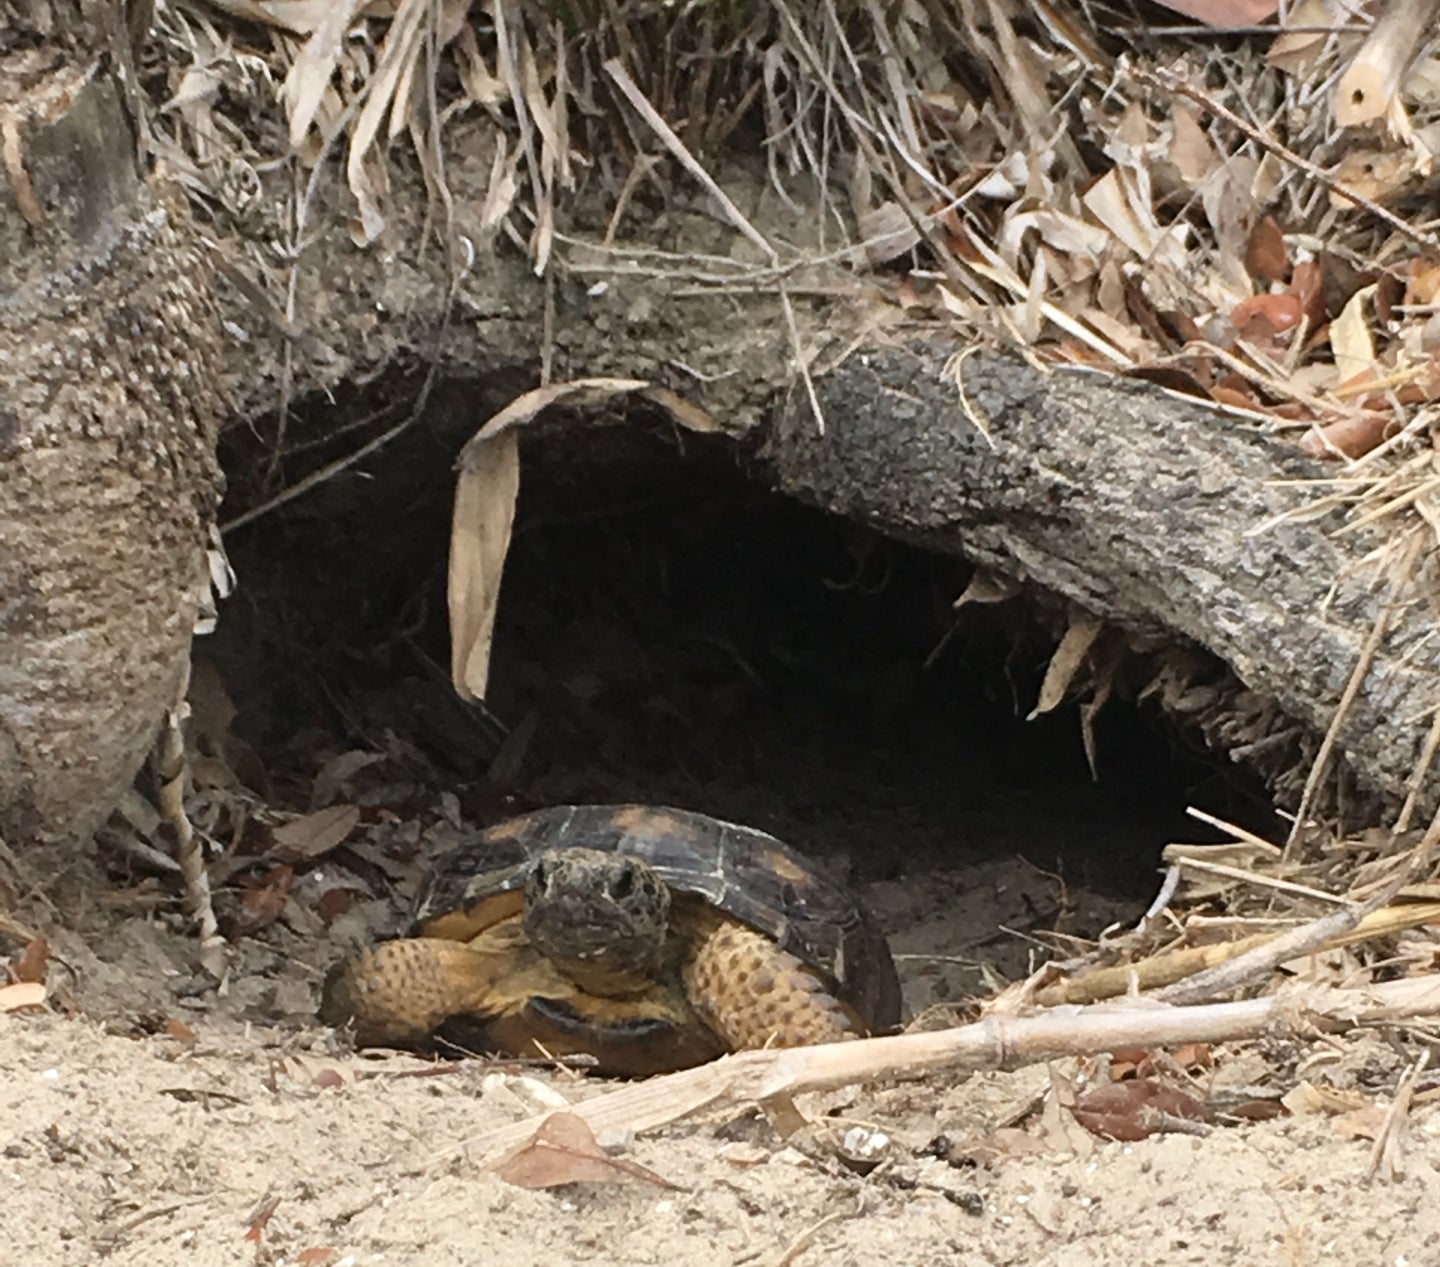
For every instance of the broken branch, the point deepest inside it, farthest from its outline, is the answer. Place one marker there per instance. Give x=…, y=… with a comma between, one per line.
x=996, y=1042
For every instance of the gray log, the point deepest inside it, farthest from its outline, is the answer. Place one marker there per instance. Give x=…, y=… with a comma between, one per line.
x=1135, y=506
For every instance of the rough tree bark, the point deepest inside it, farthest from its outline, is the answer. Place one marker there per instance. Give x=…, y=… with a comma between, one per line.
x=1137, y=507
x=109, y=359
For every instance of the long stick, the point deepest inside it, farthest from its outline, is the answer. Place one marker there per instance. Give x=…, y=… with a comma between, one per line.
x=997, y=1042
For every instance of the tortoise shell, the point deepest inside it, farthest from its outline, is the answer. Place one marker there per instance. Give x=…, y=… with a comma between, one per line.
x=745, y=873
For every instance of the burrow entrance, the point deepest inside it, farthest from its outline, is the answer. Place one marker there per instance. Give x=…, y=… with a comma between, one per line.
x=672, y=631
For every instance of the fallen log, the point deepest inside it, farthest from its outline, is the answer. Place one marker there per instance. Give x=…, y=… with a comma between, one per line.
x=1156, y=513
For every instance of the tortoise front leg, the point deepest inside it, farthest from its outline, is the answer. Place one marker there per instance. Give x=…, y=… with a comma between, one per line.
x=752, y=993
x=397, y=993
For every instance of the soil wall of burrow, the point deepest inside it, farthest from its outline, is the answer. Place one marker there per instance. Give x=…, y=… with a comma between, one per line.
x=672, y=630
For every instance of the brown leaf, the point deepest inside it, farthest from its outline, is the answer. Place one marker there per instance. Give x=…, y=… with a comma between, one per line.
x=179, y=1031
x=1340, y=279
x=333, y=903
x=1002, y=1143
x=1264, y=316
x=33, y=961
x=260, y=1217
x=317, y=1256
x=1190, y=149
x=1195, y=1056
x=1351, y=437
x=1256, y=1110
x=1134, y=1110
x=1066, y=662
x=1234, y=390
x=564, y=1150
x=314, y=835
x=325, y=1075
x=1423, y=286
x=1389, y=291
x=1298, y=47
x=1307, y=283
x=1266, y=259
x=263, y=903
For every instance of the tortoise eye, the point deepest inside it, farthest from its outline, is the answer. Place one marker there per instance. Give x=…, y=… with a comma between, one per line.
x=624, y=883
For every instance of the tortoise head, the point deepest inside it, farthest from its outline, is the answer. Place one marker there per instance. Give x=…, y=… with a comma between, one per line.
x=599, y=917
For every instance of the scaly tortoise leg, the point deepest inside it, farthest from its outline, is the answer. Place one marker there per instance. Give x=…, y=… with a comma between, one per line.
x=753, y=994
x=399, y=991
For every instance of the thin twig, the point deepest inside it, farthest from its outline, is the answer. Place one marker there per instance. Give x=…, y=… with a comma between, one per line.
x=1171, y=82
x=1234, y=829
x=677, y=147
x=1332, y=732
x=1259, y=879
x=996, y=1042
x=1417, y=776
x=1386, y=1156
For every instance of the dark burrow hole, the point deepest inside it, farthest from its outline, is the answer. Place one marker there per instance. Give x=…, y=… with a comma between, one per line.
x=670, y=630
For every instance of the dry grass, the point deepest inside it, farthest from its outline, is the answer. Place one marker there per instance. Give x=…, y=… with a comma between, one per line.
x=1061, y=177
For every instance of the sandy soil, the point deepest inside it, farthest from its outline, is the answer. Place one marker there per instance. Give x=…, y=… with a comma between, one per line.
x=151, y=1117
x=164, y=1123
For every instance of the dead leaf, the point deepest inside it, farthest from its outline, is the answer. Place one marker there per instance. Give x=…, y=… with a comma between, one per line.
x=1059, y=1129
x=1134, y=1110
x=887, y=232
x=1306, y=1099
x=263, y=902
x=333, y=903
x=686, y=412
x=1375, y=175
x=1301, y=44
x=1193, y=1057
x=12, y=152
x=1003, y=1143
x=1255, y=1110
x=1190, y=149
x=1307, y=283
x=260, y=1216
x=1362, y=1123
x=313, y=835
x=1424, y=283
x=179, y=1031
x=309, y=77
x=484, y=515
x=987, y=587
x=1266, y=259
x=1265, y=316
x=326, y=1075
x=22, y=994
x=317, y=1256
x=1351, y=437
x=485, y=493
x=1121, y=201
x=564, y=1150
x=33, y=962
x=1351, y=339
x=336, y=773
x=1066, y=662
